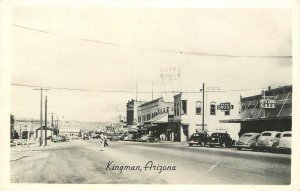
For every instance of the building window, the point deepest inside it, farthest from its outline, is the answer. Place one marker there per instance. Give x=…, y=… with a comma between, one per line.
x=184, y=107
x=212, y=109
x=227, y=112
x=198, y=107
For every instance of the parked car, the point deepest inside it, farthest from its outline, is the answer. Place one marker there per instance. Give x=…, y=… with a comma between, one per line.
x=123, y=136
x=85, y=137
x=149, y=138
x=285, y=142
x=114, y=137
x=267, y=140
x=199, y=139
x=247, y=141
x=220, y=139
x=130, y=137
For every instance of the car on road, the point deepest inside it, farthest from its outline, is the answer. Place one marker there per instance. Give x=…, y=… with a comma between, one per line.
x=148, y=138
x=114, y=137
x=284, y=144
x=267, y=140
x=85, y=137
x=199, y=139
x=130, y=137
x=220, y=139
x=247, y=141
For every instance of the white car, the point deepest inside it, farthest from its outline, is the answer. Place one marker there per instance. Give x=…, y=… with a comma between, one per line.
x=285, y=141
x=267, y=140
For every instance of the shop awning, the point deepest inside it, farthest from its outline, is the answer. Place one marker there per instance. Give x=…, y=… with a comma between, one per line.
x=254, y=119
x=161, y=118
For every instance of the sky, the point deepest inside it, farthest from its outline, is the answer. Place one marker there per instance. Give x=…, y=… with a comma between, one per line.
x=119, y=49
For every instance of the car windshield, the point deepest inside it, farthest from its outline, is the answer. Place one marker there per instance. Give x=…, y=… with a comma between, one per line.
x=247, y=135
x=218, y=135
x=287, y=135
x=266, y=134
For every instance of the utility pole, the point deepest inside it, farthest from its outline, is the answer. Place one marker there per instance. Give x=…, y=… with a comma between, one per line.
x=41, y=114
x=52, y=124
x=46, y=121
x=136, y=90
x=20, y=136
x=203, y=92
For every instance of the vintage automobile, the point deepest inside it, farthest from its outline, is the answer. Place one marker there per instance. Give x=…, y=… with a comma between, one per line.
x=148, y=138
x=198, y=139
x=247, y=141
x=284, y=144
x=130, y=137
x=220, y=139
x=85, y=137
x=267, y=140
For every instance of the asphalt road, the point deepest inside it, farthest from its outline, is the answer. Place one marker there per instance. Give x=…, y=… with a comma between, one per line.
x=124, y=163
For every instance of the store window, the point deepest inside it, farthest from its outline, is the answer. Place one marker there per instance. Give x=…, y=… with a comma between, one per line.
x=198, y=108
x=227, y=112
x=184, y=106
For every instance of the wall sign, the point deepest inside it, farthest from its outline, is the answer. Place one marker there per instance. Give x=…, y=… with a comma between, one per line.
x=224, y=106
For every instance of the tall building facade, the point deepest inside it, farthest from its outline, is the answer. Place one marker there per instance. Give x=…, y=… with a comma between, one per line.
x=131, y=111
x=189, y=113
x=153, y=117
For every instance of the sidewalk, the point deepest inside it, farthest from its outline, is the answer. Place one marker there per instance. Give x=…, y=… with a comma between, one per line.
x=23, y=151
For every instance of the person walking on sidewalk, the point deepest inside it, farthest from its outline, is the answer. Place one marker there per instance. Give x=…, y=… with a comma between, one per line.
x=102, y=141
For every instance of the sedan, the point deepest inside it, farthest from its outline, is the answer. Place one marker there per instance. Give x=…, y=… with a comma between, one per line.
x=148, y=138
x=247, y=141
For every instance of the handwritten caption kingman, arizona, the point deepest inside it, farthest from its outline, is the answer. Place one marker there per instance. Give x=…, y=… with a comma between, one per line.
x=149, y=166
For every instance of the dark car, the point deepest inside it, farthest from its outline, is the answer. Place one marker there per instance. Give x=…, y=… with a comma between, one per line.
x=199, y=139
x=85, y=137
x=220, y=139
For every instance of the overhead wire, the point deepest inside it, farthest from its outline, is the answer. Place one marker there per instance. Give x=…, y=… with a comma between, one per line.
x=126, y=91
x=148, y=48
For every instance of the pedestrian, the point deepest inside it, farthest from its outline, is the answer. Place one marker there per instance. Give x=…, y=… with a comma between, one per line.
x=102, y=141
x=105, y=141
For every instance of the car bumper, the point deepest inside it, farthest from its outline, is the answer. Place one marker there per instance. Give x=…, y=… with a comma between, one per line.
x=244, y=146
x=193, y=142
x=215, y=144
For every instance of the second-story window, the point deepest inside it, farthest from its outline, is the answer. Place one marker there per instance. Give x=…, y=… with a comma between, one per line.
x=212, y=108
x=184, y=107
x=227, y=112
x=198, y=108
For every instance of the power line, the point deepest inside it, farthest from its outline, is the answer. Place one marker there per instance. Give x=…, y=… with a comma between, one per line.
x=127, y=91
x=150, y=49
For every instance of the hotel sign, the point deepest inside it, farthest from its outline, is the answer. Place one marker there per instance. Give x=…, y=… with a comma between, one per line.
x=267, y=103
x=224, y=106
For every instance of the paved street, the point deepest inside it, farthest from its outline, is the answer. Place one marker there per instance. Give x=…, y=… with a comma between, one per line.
x=82, y=162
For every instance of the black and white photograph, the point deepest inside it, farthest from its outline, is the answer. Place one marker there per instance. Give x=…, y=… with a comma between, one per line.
x=151, y=95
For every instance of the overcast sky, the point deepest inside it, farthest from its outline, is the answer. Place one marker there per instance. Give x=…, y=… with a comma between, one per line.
x=54, y=59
